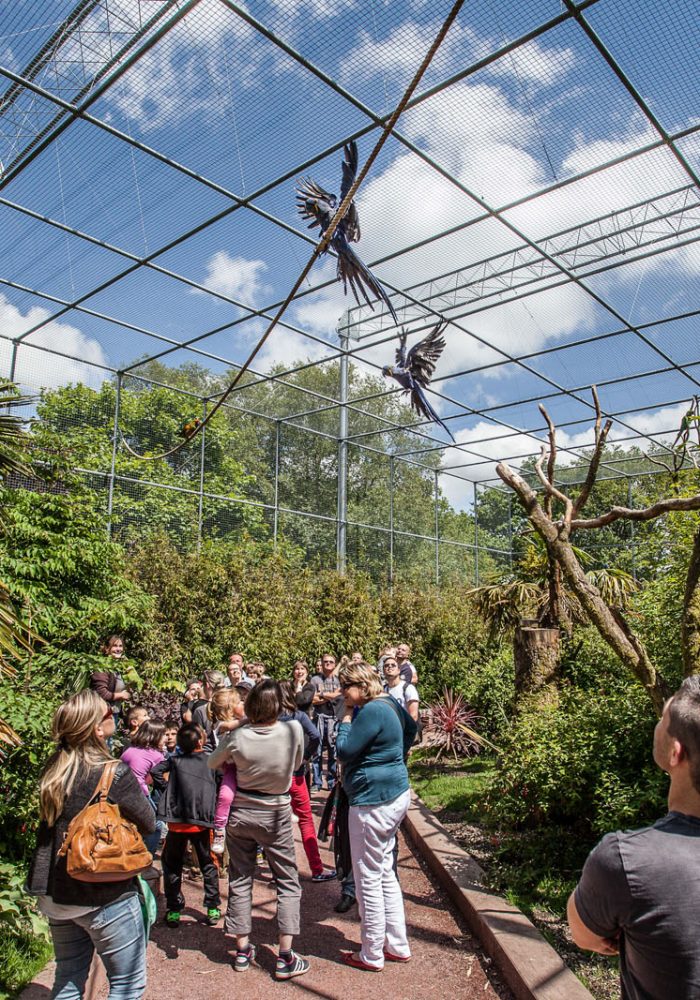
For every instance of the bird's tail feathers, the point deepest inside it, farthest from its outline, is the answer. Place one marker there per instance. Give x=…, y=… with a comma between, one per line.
x=353, y=272
x=422, y=406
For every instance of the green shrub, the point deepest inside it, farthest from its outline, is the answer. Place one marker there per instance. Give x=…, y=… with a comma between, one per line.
x=586, y=761
x=24, y=934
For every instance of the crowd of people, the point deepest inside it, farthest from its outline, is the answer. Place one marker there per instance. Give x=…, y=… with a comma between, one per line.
x=226, y=778
x=229, y=775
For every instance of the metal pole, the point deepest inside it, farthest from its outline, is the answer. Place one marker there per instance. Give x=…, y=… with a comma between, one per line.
x=510, y=531
x=275, y=522
x=391, y=524
x=341, y=538
x=476, y=535
x=13, y=361
x=633, y=537
x=201, y=477
x=437, y=532
x=113, y=465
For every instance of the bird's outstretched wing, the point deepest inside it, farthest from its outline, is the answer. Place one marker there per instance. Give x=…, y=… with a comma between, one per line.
x=351, y=220
x=351, y=271
x=420, y=404
x=423, y=356
x=401, y=349
x=315, y=204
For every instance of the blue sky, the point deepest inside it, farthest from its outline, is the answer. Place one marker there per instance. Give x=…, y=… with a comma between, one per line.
x=229, y=105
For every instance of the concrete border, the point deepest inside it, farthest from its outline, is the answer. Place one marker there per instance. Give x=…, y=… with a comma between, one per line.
x=530, y=966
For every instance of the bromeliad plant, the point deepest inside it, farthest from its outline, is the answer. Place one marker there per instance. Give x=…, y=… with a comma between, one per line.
x=449, y=727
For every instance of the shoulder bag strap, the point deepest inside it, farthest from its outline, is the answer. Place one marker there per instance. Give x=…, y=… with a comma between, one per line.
x=397, y=709
x=106, y=778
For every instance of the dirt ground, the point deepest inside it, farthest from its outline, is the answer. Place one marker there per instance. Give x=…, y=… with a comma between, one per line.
x=194, y=960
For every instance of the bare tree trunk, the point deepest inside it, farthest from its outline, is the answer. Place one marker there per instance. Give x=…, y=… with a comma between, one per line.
x=690, y=630
x=612, y=629
x=536, y=653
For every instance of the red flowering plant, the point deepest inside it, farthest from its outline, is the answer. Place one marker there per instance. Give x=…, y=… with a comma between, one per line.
x=449, y=727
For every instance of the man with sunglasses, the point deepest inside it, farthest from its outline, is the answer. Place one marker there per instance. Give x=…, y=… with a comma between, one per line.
x=325, y=702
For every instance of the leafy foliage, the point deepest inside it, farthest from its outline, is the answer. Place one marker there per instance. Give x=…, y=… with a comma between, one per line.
x=583, y=761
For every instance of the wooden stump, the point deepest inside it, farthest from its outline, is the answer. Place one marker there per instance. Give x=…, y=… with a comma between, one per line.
x=537, y=655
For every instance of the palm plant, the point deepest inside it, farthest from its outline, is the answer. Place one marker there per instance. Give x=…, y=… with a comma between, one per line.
x=449, y=727
x=525, y=594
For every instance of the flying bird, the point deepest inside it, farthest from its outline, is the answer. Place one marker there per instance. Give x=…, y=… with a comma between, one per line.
x=320, y=206
x=413, y=371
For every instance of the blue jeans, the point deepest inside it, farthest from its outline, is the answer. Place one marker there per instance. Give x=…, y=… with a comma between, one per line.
x=116, y=933
x=152, y=840
x=347, y=886
x=326, y=725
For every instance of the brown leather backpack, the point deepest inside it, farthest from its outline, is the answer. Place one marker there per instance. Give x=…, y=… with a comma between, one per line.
x=100, y=845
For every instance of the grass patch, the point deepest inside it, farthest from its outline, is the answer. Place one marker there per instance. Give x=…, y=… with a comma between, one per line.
x=22, y=957
x=452, y=787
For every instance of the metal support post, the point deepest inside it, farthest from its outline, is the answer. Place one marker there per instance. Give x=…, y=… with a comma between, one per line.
x=276, y=513
x=200, y=511
x=476, y=535
x=633, y=537
x=437, y=531
x=510, y=531
x=391, y=523
x=113, y=465
x=342, y=532
x=13, y=361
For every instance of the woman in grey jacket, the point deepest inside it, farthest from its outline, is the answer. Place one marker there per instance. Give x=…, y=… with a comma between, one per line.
x=85, y=917
x=266, y=753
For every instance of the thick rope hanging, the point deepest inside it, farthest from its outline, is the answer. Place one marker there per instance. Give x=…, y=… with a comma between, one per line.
x=322, y=246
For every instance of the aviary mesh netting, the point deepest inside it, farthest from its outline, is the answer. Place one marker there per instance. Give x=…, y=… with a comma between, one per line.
x=539, y=193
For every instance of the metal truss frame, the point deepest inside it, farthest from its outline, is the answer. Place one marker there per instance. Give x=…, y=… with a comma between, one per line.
x=100, y=41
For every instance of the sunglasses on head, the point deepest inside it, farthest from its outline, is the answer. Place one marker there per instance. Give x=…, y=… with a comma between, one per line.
x=344, y=687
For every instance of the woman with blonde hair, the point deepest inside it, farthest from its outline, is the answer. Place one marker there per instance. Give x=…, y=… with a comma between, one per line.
x=88, y=917
x=372, y=743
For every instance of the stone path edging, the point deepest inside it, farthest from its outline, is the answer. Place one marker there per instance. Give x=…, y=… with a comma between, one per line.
x=530, y=966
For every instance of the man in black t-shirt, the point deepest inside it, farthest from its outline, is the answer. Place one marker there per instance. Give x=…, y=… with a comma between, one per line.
x=639, y=893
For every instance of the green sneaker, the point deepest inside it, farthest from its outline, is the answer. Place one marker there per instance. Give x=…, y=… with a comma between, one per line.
x=213, y=916
x=172, y=918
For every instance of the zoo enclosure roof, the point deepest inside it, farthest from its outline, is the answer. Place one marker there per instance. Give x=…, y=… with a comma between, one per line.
x=540, y=193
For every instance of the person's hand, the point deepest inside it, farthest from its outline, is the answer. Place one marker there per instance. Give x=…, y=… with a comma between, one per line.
x=122, y=695
x=228, y=725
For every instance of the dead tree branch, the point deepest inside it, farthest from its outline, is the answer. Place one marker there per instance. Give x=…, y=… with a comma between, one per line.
x=638, y=514
x=601, y=436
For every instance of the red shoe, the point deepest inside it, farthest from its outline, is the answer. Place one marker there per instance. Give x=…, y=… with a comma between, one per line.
x=396, y=958
x=353, y=959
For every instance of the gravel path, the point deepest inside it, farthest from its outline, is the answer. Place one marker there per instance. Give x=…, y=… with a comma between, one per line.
x=194, y=961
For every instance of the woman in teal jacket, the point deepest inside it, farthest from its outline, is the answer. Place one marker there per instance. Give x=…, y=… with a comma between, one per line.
x=372, y=743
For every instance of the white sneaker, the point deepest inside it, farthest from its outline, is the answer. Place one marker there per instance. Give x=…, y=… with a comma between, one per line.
x=219, y=842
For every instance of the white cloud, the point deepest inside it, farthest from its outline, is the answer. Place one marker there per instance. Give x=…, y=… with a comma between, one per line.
x=38, y=369
x=398, y=55
x=236, y=277
x=192, y=72
x=535, y=63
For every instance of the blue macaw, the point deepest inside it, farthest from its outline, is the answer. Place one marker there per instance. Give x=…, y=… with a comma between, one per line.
x=318, y=205
x=413, y=371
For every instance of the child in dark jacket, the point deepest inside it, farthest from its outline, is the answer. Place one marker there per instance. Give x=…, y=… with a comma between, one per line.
x=187, y=805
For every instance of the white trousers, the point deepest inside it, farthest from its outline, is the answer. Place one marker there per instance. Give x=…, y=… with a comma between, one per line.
x=372, y=836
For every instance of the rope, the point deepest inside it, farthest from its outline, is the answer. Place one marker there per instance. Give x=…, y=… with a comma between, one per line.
x=322, y=246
